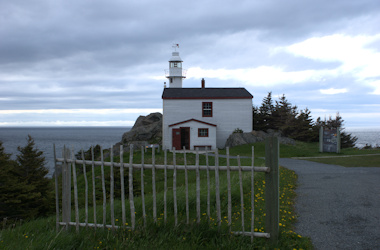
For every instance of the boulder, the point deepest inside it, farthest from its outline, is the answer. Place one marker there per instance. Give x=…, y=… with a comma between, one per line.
x=236, y=139
x=146, y=130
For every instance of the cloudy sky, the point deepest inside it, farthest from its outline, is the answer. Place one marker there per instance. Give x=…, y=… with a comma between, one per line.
x=92, y=62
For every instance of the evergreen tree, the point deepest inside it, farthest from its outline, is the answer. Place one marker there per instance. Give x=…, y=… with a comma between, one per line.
x=31, y=170
x=284, y=117
x=263, y=119
x=13, y=192
x=298, y=125
x=346, y=139
x=304, y=126
x=267, y=110
x=256, y=119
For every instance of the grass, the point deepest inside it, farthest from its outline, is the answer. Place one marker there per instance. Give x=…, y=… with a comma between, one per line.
x=351, y=161
x=41, y=234
x=357, y=157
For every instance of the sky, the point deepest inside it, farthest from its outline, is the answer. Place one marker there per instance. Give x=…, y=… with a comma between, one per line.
x=102, y=63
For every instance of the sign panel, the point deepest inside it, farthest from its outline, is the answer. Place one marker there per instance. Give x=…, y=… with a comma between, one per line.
x=330, y=140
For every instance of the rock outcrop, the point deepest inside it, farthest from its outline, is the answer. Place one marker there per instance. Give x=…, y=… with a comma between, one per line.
x=237, y=139
x=146, y=130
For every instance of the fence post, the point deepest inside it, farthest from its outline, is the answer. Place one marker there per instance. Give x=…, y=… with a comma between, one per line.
x=175, y=188
x=187, y=187
x=217, y=193
x=130, y=187
x=122, y=188
x=198, y=188
x=112, y=190
x=75, y=190
x=93, y=184
x=338, y=138
x=165, y=183
x=56, y=189
x=154, y=185
x=66, y=188
x=252, y=193
x=103, y=189
x=208, y=188
x=142, y=186
x=272, y=188
x=229, y=189
x=86, y=187
x=321, y=139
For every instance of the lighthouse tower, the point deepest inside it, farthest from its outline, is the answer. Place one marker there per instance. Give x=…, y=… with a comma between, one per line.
x=175, y=74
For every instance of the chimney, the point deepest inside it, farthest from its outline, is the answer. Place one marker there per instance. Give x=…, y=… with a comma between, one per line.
x=203, y=83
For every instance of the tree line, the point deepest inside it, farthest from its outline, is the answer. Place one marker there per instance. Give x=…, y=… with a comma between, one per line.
x=297, y=124
x=25, y=192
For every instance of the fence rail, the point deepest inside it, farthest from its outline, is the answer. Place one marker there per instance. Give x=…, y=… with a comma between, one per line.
x=68, y=165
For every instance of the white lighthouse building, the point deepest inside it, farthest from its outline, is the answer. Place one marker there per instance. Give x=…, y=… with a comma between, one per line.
x=201, y=118
x=175, y=74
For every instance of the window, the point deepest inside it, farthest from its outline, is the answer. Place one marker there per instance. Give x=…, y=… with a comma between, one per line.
x=175, y=65
x=207, y=109
x=202, y=132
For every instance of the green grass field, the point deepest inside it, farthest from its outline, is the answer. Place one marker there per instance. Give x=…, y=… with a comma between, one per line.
x=351, y=161
x=349, y=157
x=301, y=149
x=41, y=234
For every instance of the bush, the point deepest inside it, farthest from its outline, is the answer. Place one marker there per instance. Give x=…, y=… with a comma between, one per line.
x=238, y=130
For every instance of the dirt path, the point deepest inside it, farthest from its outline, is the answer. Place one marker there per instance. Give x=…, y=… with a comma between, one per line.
x=338, y=207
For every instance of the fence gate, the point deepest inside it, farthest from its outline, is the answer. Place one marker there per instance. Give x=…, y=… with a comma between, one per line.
x=68, y=165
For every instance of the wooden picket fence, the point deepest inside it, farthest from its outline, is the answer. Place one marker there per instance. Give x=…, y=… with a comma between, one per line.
x=67, y=165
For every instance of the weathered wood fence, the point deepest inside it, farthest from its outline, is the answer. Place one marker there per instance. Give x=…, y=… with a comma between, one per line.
x=68, y=167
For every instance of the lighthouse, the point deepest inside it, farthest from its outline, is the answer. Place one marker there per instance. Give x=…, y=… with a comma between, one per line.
x=175, y=74
x=201, y=118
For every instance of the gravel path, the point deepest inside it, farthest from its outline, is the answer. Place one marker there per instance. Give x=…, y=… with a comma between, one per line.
x=338, y=207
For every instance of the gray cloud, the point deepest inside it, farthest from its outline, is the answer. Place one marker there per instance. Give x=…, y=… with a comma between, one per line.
x=97, y=54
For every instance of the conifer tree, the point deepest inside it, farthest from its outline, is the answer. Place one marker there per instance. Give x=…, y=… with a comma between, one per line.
x=347, y=140
x=298, y=125
x=31, y=170
x=284, y=117
x=256, y=119
x=304, y=127
x=262, y=116
x=13, y=192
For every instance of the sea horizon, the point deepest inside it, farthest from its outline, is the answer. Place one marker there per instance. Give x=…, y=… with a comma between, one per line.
x=76, y=137
x=126, y=126
x=83, y=137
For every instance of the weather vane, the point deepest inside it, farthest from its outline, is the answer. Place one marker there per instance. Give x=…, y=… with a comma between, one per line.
x=175, y=46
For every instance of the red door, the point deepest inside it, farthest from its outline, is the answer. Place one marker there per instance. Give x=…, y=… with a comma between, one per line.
x=176, y=138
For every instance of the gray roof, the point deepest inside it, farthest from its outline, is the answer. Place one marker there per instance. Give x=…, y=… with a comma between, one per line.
x=206, y=93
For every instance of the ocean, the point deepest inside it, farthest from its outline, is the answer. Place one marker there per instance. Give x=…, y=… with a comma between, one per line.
x=45, y=137
x=366, y=137
x=85, y=137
